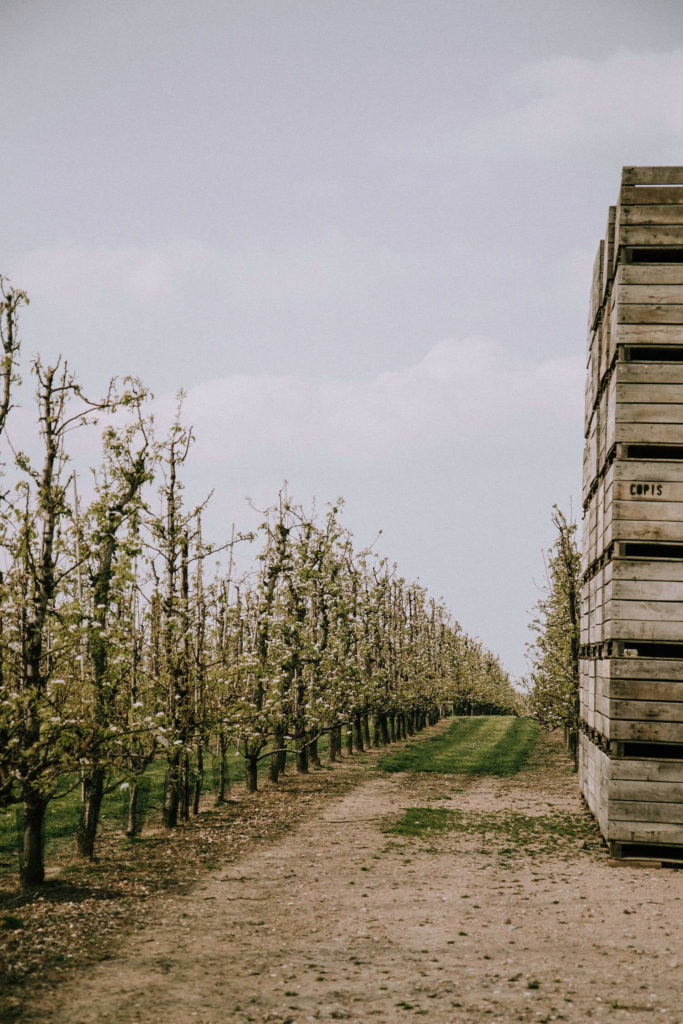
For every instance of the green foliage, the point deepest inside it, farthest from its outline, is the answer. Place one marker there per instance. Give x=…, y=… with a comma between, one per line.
x=494, y=745
x=554, y=652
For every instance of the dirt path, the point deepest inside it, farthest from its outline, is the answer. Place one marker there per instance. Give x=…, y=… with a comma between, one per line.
x=340, y=921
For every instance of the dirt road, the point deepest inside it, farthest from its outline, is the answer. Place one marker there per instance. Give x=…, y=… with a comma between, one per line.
x=342, y=921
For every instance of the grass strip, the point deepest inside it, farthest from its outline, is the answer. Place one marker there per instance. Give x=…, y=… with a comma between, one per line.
x=483, y=745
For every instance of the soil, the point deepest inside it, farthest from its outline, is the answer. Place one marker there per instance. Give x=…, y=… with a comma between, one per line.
x=339, y=919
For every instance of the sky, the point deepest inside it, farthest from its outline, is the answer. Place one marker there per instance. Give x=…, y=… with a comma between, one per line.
x=359, y=235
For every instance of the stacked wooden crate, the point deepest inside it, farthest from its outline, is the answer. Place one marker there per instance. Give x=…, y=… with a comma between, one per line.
x=631, y=685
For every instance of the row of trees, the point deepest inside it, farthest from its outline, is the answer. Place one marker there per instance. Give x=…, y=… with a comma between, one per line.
x=554, y=654
x=125, y=636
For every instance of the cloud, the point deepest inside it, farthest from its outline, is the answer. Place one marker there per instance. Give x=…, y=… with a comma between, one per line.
x=570, y=99
x=69, y=274
x=461, y=388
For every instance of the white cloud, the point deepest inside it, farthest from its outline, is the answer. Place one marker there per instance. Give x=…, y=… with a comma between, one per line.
x=459, y=389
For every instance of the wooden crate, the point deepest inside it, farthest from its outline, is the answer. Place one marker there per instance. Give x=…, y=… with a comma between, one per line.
x=631, y=678
x=636, y=801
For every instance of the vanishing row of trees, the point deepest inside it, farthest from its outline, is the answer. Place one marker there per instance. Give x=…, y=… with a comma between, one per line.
x=125, y=636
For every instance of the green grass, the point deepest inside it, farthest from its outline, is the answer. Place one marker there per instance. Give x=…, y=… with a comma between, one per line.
x=61, y=816
x=485, y=745
x=543, y=833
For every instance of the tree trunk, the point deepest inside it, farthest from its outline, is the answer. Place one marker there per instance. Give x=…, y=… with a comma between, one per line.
x=32, y=871
x=199, y=779
x=409, y=723
x=184, y=806
x=332, y=745
x=278, y=757
x=313, y=755
x=169, y=810
x=376, y=736
x=349, y=738
x=91, y=803
x=573, y=745
x=366, y=730
x=392, y=728
x=223, y=776
x=383, y=727
x=251, y=772
x=301, y=755
x=357, y=732
x=132, y=826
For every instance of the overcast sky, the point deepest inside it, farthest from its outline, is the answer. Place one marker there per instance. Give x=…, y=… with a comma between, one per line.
x=359, y=234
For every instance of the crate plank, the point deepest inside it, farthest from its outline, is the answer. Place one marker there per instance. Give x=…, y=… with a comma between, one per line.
x=661, y=175
x=648, y=273
x=647, y=779
x=651, y=214
x=650, y=313
x=643, y=530
x=650, y=392
x=639, y=235
x=646, y=590
x=630, y=196
x=648, y=375
x=649, y=412
x=645, y=810
x=655, y=833
x=647, y=732
x=646, y=334
x=646, y=491
x=649, y=433
x=646, y=668
x=641, y=689
x=648, y=511
x=646, y=710
x=639, y=470
x=653, y=630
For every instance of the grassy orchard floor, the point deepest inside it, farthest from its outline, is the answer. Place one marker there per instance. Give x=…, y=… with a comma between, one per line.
x=61, y=817
x=490, y=745
x=362, y=895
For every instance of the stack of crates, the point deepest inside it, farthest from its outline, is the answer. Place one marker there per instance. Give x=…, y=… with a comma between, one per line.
x=631, y=685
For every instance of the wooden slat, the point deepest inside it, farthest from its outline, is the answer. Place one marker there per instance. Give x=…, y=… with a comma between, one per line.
x=650, y=313
x=649, y=273
x=641, y=689
x=651, y=833
x=652, y=214
x=649, y=433
x=646, y=392
x=649, y=412
x=647, y=334
x=642, y=293
x=664, y=234
x=596, y=287
x=646, y=710
x=646, y=611
x=647, y=780
x=655, y=631
x=648, y=511
x=652, y=175
x=640, y=470
x=645, y=570
x=646, y=590
x=640, y=491
x=646, y=668
x=630, y=196
x=644, y=810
